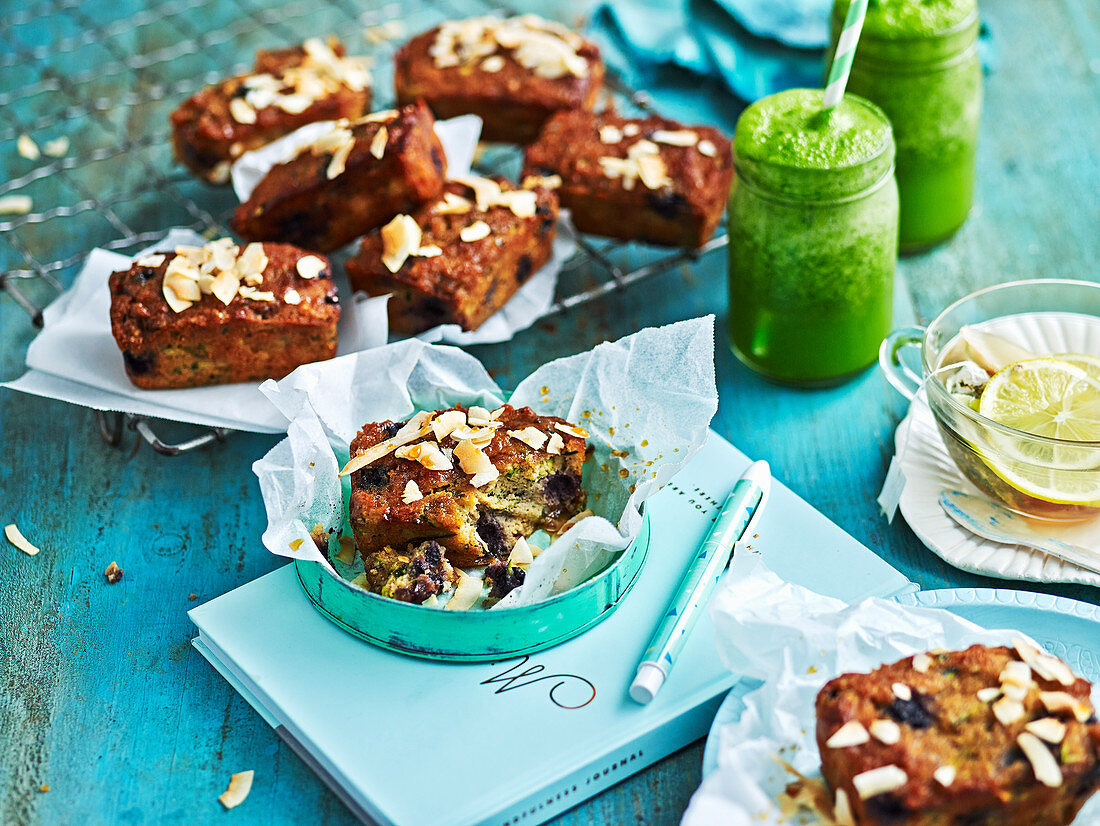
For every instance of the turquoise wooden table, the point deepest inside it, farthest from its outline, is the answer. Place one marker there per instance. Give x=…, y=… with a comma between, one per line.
x=102, y=699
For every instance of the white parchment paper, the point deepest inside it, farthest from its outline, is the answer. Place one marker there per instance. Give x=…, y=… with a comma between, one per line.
x=646, y=401
x=796, y=640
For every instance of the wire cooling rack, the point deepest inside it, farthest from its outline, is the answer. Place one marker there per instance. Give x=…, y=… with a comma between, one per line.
x=106, y=83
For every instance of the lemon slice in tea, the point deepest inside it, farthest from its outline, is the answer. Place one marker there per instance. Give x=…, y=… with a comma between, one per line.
x=1056, y=399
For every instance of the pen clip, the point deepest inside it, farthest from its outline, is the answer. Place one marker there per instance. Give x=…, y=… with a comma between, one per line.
x=742, y=541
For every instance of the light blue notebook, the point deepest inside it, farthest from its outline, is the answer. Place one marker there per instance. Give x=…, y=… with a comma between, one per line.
x=525, y=739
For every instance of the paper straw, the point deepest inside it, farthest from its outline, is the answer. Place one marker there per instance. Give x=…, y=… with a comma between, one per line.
x=845, y=51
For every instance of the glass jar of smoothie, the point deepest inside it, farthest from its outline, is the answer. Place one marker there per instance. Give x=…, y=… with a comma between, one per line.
x=813, y=237
x=918, y=61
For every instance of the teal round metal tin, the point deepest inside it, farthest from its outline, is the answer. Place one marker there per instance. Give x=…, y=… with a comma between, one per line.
x=478, y=635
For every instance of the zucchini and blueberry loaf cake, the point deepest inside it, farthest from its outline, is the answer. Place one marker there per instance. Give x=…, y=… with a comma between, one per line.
x=459, y=259
x=513, y=73
x=353, y=178
x=287, y=89
x=646, y=179
x=982, y=737
x=221, y=313
x=460, y=488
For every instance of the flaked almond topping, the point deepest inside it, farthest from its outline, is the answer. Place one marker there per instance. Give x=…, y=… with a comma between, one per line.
x=15, y=204
x=548, y=181
x=707, y=148
x=256, y=295
x=1016, y=673
x=679, y=137
x=851, y=733
x=240, y=785
x=183, y=266
x=176, y=299
x=381, y=116
x=480, y=436
x=478, y=416
x=467, y=592
x=16, y=538
x=475, y=232
x=150, y=260
x=577, y=518
x=400, y=237
x=241, y=111
x=27, y=148
x=427, y=454
x=472, y=459
x=945, y=775
x=879, y=781
x=493, y=63
x=521, y=202
x=57, y=147
x=481, y=479
x=310, y=266
x=445, y=422
x=521, y=554
x=652, y=171
x=292, y=296
x=1045, y=665
x=921, y=663
x=419, y=425
x=571, y=430
x=1055, y=701
x=1014, y=692
x=452, y=204
x=886, y=731
x=842, y=809
x=496, y=414
x=428, y=251
x=378, y=142
x=631, y=129
x=902, y=691
x=530, y=436
x=545, y=48
x=1042, y=761
x=346, y=554
x=411, y=493
x=1008, y=711
x=253, y=260
x=610, y=134
x=1050, y=729
x=486, y=190
x=988, y=695
x=224, y=286
x=555, y=444
x=339, y=160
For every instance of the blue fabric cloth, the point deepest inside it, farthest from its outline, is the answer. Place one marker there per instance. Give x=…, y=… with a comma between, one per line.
x=753, y=47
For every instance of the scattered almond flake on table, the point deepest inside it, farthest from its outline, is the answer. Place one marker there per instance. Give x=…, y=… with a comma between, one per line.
x=16, y=538
x=57, y=147
x=240, y=785
x=15, y=205
x=113, y=573
x=386, y=30
x=26, y=147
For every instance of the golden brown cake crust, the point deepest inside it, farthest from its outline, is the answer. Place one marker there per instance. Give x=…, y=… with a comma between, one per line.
x=683, y=210
x=303, y=202
x=469, y=280
x=941, y=721
x=207, y=138
x=210, y=342
x=475, y=525
x=513, y=101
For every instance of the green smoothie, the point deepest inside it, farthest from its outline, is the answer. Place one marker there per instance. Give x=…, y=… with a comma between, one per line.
x=918, y=61
x=813, y=237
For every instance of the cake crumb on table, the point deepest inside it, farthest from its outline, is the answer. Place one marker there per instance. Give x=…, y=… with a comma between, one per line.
x=113, y=573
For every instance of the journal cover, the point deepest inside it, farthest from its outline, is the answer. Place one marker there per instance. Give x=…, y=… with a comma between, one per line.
x=409, y=742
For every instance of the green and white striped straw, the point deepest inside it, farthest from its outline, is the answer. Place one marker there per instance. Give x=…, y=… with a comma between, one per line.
x=845, y=51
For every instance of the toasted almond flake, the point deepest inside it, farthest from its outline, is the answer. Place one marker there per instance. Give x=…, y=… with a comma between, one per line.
x=411, y=493
x=474, y=232
x=378, y=142
x=338, y=163
x=1008, y=711
x=15, y=205
x=1045, y=665
x=467, y=592
x=521, y=554
x=184, y=288
x=16, y=538
x=399, y=238
x=851, y=733
x=26, y=147
x=945, y=775
x=292, y=296
x=652, y=171
x=174, y=302
x=707, y=148
x=381, y=116
x=880, y=780
x=241, y=111
x=521, y=202
x=445, y=422
x=571, y=430
x=577, y=518
x=481, y=479
x=240, y=785
x=922, y=662
x=360, y=581
x=480, y=436
x=1050, y=729
x=1014, y=692
x=412, y=430
x=496, y=414
x=842, y=810
x=631, y=129
x=310, y=266
x=1042, y=761
x=346, y=554
x=428, y=251
x=610, y=134
x=150, y=260
x=472, y=459
x=252, y=260
x=486, y=191
x=295, y=544
x=678, y=137
x=493, y=63
x=452, y=204
x=478, y=416
x=224, y=287
x=256, y=295
x=427, y=454
x=555, y=444
x=530, y=436
x=1016, y=673
x=886, y=731
x=902, y=691
x=1055, y=701
x=988, y=695
x=548, y=181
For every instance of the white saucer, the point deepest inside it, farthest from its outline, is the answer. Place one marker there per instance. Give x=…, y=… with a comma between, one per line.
x=929, y=470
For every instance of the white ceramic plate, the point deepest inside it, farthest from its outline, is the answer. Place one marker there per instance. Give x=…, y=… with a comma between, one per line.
x=929, y=470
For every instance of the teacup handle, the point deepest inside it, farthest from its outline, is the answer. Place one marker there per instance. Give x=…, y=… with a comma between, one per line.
x=900, y=375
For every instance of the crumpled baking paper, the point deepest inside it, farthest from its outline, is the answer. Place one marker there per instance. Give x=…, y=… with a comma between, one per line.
x=646, y=401
x=459, y=137
x=795, y=641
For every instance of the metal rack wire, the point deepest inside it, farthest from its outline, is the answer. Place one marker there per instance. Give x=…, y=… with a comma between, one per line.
x=108, y=85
